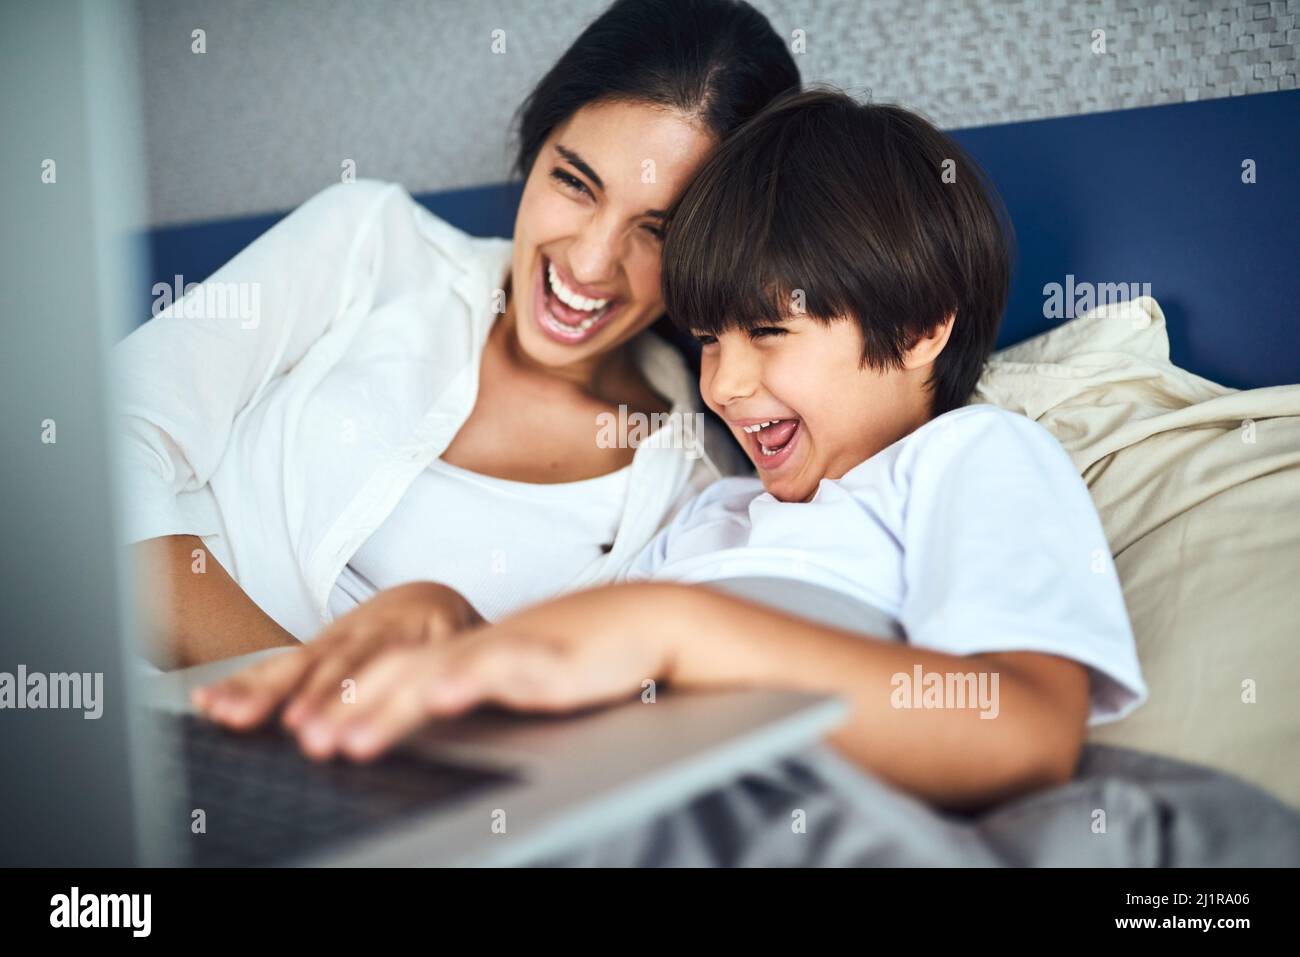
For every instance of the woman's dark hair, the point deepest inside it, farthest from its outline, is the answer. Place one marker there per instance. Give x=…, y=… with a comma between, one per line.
x=719, y=60
x=846, y=210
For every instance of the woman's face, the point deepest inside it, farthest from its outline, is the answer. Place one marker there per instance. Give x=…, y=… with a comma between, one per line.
x=588, y=236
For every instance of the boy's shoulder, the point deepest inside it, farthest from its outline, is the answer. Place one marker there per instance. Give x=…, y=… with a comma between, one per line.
x=986, y=438
x=979, y=435
x=980, y=429
x=979, y=417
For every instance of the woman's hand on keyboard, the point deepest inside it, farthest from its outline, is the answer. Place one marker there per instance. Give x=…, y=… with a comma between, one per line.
x=308, y=679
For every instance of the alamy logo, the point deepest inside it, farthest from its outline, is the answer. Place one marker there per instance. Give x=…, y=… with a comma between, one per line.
x=673, y=430
x=210, y=300
x=939, y=689
x=1074, y=299
x=102, y=910
x=81, y=690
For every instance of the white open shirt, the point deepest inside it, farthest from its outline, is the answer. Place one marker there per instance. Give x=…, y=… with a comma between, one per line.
x=286, y=439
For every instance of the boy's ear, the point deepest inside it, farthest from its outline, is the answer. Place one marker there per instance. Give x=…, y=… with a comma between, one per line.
x=927, y=348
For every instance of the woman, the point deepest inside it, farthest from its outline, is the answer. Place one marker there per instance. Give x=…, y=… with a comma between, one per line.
x=394, y=413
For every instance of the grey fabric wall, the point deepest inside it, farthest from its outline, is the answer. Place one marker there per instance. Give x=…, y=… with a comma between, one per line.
x=410, y=90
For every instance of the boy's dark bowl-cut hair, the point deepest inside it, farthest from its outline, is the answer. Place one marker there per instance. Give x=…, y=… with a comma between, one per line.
x=848, y=203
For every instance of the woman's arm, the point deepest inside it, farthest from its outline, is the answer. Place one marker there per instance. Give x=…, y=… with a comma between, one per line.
x=603, y=645
x=194, y=617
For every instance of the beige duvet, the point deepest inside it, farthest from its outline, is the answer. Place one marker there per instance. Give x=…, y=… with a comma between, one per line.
x=1198, y=487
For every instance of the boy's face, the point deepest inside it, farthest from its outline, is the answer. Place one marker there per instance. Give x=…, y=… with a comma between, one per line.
x=829, y=412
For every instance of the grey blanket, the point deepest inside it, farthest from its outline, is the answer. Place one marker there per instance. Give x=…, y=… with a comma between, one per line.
x=1123, y=809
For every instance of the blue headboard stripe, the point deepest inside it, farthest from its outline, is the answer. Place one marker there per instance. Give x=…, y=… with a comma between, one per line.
x=1155, y=195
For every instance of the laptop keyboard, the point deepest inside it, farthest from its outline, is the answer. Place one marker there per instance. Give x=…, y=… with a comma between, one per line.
x=265, y=802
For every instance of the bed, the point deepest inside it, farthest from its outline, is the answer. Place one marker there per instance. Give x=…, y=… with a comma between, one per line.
x=1180, y=407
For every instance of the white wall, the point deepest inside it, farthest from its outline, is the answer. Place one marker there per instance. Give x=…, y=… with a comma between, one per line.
x=410, y=90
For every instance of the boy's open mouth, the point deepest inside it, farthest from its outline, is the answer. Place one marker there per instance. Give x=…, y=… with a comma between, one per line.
x=572, y=321
x=772, y=441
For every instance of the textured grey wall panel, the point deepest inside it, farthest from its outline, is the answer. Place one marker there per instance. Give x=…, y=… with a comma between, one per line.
x=410, y=90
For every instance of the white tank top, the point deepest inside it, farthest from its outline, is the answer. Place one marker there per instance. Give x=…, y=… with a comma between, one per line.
x=500, y=543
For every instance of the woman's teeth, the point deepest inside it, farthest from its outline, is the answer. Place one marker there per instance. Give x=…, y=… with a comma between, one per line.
x=581, y=326
x=568, y=296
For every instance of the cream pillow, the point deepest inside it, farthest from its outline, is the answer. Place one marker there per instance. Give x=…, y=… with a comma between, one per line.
x=1198, y=488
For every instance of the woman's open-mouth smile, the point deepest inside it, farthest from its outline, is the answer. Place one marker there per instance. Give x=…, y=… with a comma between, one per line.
x=563, y=314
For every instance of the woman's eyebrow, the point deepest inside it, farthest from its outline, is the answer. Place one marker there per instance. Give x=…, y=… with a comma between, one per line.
x=583, y=167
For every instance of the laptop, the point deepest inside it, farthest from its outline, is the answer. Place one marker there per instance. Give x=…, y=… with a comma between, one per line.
x=491, y=787
x=139, y=778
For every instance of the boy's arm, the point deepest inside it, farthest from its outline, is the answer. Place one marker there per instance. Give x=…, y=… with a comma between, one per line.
x=600, y=645
x=951, y=756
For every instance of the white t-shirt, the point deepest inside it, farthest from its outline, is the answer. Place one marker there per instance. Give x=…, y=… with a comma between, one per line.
x=502, y=544
x=975, y=533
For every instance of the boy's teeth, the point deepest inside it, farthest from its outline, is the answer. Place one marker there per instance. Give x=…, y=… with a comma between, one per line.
x=780, y=433
x=568, y=296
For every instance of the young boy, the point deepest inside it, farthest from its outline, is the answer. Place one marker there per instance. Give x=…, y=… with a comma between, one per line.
x=845, y=272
